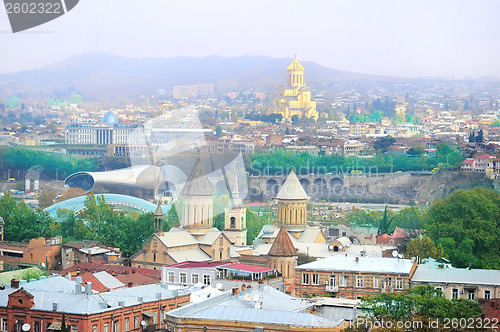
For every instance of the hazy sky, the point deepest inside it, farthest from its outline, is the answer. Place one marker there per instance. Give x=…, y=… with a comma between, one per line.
x=401, y=38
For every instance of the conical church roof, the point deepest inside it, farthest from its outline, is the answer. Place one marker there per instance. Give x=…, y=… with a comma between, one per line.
x=198, y=183
x=158, y=212
x=282, y=245
x=295, y=65
x=292, y=189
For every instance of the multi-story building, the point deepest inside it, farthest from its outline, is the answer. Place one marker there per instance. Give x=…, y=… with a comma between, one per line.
x=86, y=251
x=458, y=283
x=353, y=277
x=41, y=305
x=35, y=252
x=352, y=148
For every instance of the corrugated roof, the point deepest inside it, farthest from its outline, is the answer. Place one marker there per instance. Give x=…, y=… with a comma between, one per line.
x=108, y=280
x=69, y=302
x=197, y=255
x=198, y=183
x=292, y=189
x=176, y=239
x=282, y=245
x=365, y=264
x=455, y=275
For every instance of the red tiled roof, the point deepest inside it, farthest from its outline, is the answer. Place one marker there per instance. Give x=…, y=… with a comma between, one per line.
x=111, y=269
x=137, y=279
x=282, y=245
x=468, y=161
x=96, y=284
x=484, y=156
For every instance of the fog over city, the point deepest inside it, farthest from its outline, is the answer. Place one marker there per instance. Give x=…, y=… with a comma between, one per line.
x=450, y=39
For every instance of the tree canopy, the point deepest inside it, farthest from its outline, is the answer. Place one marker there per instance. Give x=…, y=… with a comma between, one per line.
x=467, y=225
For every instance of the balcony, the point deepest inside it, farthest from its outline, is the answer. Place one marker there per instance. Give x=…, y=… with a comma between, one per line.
x=332, y=289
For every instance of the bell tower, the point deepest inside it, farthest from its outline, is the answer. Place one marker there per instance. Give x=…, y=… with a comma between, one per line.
x=235, y=219
x=158, y=219
x=295, y=74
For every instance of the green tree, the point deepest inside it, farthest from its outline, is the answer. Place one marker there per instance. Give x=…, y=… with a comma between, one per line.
x=424, y=247
x=218, y=131
x=295, y=120
x=12, y=102
x=254, y=225
x=64, y=326
x=46, y=199
x=421, y=304
x=385, y=223
x=384, y=143
x=409, y=218
x=467, y=225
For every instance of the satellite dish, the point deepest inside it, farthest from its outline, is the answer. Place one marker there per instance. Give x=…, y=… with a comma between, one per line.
x=257, y=306
x=143, y=323
x=110, y=304
x=26, y=327
x=401, y=256
x=43, y=265
x=219, y=286
x=248, y=297
x=395, y=253
x=256, y=298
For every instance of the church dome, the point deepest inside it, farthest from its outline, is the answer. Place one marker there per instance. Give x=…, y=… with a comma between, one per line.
x=110, y=119
x=267, y=230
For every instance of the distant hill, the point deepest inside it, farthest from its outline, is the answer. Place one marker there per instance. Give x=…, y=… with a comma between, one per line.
x=98, y=76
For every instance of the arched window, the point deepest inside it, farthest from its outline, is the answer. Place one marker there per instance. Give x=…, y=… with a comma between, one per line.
x=154, y=257
x=233, y=222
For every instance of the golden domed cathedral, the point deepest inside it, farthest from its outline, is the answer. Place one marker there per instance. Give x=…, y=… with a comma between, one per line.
x=294, y=99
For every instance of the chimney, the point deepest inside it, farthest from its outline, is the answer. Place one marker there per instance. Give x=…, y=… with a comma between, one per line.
x=88, y=288
x=130, y=284
x=357, y=259
x=261, y=283
x=140, y=299
x=235, y=291
x=121, y=303
x=78, y=280
x=55, y=306
x=78, y=289
x=243, y=288
x=14, y=283
x=68, y=276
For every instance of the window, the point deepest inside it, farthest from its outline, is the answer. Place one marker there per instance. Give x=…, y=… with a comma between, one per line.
x=106, y=327
x=116, y=327
x=36, y=327
x=376, y=282
x=471, y=295
x=315, y=279
x=305, y=279
x=343, y=281
x=136, y=322
x=333, y=281
x=399, y=283
x=220, y=254
x=154, y=257
x=388, y=282
x=454, y=293
x=94, y=328
x=74, y=328
x=359, y=281
x=487, y=294
x=127, y=324
x=4, y=324
x=154, y=317
x=183, y=278
x=194, y=279
x=171, y=277
x=206, y=279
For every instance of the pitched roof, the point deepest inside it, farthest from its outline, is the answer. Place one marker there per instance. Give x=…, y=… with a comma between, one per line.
x=282, y=245
x=159, y=211
x=198, y=183
x=295, y=65
x=292, y=189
